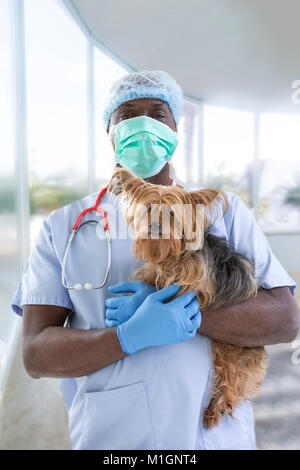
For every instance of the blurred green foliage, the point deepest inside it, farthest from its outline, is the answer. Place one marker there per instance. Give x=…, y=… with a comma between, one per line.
x=242, y=186
x=7, y=194
x=231, y=184
x=45, y=197
x=293, y=195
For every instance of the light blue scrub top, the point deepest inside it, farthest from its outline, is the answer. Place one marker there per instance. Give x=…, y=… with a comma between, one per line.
x=155, y=398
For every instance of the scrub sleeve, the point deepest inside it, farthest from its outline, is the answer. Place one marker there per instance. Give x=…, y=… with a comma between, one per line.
x=41, y=281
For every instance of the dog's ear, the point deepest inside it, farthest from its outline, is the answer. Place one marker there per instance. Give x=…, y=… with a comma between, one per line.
x=214, y=201
x=122, y=180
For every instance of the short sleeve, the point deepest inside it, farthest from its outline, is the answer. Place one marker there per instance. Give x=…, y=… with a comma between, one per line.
x=247, y=237
x=41, y=281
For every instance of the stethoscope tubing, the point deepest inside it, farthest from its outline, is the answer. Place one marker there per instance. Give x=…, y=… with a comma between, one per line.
x=77, y=226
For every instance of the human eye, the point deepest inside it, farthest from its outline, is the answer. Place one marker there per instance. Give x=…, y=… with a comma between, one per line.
x=125, y=116
x=159, y=116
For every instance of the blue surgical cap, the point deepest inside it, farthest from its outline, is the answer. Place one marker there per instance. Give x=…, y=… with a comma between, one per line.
x=144, y=84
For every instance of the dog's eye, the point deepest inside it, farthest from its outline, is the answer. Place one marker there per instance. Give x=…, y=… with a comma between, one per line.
x=171, y=213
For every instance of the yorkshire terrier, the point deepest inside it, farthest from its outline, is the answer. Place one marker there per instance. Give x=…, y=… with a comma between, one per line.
x=184, y=252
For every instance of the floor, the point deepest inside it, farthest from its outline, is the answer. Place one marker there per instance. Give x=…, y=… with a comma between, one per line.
x=277, y=409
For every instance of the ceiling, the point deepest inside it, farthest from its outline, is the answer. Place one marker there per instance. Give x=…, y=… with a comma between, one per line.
x=238, y=53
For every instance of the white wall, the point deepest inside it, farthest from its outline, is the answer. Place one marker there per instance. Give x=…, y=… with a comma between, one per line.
x=287, y=250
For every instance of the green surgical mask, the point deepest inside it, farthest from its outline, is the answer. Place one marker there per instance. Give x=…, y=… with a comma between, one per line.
x=144, y=145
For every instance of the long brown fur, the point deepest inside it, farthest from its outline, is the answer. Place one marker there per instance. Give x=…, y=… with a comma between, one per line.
x=199, y=261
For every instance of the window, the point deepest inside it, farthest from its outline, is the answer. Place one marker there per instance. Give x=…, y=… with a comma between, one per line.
x=187, y=156
x=106, y=72
x=56, y=54
x=229, y=150
x=9, y=242
x=279, y=188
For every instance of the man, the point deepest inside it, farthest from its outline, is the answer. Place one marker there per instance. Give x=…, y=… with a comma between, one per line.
x=136, y=375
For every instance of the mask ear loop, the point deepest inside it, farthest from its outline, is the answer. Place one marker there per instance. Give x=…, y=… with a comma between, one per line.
x=112, y=138
x=111, y=134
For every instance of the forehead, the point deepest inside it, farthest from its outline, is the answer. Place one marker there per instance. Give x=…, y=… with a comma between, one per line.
x=143, y=103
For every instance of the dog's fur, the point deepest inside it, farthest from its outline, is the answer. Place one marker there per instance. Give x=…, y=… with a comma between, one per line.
x=220, y=275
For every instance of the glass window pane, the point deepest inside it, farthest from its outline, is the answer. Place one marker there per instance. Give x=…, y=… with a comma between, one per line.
x=106, y=72
x=279, y=195
x=185, y=160
x=229, y=150
x=9, y=247
x=57, y=108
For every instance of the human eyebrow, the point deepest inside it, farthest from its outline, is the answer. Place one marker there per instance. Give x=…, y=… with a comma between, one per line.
x=162, y=108
x=126, y=105
x=158, y=105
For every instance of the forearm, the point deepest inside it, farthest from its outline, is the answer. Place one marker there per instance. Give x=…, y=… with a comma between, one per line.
x=67, y=352
x=271, y=317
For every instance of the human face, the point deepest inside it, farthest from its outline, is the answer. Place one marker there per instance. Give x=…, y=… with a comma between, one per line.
x=151, y=107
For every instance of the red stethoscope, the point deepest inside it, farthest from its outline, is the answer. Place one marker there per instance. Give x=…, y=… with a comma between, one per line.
x=76, y=227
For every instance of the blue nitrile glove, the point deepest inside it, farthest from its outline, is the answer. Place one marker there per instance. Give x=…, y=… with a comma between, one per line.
x=120, y=309
x=156, y=323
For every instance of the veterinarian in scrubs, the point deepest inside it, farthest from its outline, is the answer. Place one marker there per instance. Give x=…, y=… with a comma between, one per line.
x=143, y=385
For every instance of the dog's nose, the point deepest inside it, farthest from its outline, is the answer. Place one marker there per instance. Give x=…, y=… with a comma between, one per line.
x=154, y=226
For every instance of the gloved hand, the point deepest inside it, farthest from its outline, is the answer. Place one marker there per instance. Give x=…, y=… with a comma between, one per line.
x=156, y=323
x=120, y=309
